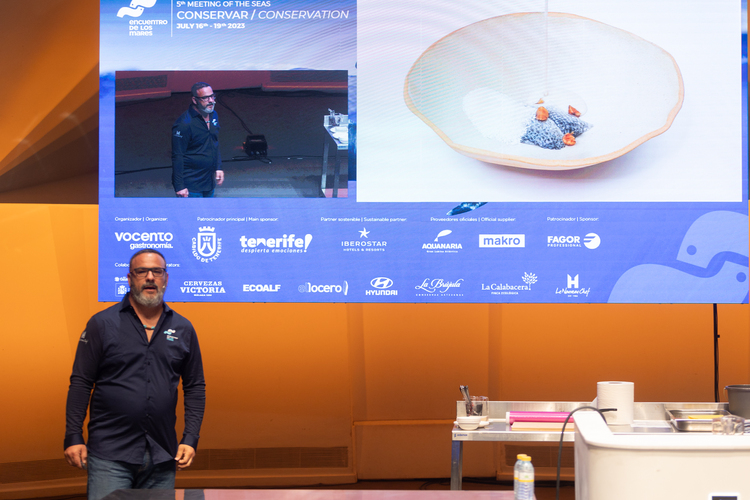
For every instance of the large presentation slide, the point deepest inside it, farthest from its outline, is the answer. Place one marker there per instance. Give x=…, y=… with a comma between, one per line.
x=537, y=151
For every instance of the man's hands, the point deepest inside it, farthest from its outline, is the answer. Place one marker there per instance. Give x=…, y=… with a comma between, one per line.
x=182, y=193
x=185, y=455
x=77, y=455
x=219, y=177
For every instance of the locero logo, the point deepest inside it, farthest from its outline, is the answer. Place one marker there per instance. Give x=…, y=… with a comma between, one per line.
x=310, y=288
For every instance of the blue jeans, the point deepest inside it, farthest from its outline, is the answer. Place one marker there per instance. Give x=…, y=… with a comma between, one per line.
x=105, y=476
x=201, y=194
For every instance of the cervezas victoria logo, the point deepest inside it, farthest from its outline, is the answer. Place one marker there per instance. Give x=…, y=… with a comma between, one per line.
x=206, y=246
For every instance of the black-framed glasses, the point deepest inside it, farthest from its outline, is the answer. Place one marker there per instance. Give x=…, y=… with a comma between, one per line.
x=206, y=97
x=142, y=272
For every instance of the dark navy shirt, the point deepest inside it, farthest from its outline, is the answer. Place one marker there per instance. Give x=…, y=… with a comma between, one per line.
x=195, y=151
x=135, y=385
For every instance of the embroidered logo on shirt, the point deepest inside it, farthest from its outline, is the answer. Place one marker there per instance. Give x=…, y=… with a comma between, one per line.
x=177, y=133
x=169, y=335
x=215, y=122
x=83, y=338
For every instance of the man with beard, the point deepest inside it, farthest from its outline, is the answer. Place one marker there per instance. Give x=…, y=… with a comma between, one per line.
x=196, y=163
x=133, y=355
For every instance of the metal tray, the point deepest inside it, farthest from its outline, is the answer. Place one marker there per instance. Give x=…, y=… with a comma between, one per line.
x=701, y=420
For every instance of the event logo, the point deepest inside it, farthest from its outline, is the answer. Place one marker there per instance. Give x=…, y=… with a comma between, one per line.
x=310, y=288
x=287, y=243
x=382, y=286
x=202, y=288
x=442, y=247
x=591, y=241
x=502, y=240
x=511, y=289
x=573, y=288
x=206, y=246
x=440, y=286
x=146, y=239
x=261, y=288
x=121, y=290
x=136, y=8
x=364, y=245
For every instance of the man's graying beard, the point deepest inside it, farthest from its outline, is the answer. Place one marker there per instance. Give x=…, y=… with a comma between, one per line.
x=137, y=294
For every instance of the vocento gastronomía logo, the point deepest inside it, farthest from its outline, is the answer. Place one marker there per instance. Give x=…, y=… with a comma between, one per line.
x=286, y=243
x=146, y=239
x=325, y=288
x=206, y=245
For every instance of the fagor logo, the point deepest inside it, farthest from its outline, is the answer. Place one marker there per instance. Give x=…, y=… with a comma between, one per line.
x=136, y=8
x=502, y=240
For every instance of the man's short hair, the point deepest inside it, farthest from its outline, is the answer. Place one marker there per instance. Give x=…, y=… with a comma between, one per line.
x=146, y=250
x=197, y=86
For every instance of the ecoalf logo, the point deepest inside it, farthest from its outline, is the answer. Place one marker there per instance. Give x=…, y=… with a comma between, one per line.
x=437, y=246
x=261, y=288
x=202, y=288
x=439, y=286
x=287, y=243
x=573, y=288
x=590, y=241
x=382, y=286
x=136, y=8
x=310, y=288
x=511, y=289
x=502, y=240
x=146, y=239
x=206, y=246
x=364, y=243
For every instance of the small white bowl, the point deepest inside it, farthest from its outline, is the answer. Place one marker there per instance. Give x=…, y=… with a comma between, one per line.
x=469, y=423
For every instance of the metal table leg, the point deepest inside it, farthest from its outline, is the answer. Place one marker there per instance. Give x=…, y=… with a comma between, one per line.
x=325, y=167
x=457, y=464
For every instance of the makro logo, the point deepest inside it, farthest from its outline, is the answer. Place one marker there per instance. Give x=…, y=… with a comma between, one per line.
x=287, y=243
x=591, y=241
x=206, y=246
x=437, y=246
x=364, y=243
x=261, y=288
x=202, y=288
x=382, y=286
x=136, y=8
x=573, y=288
x=502, y=240
x=511, y=289
x=146, y=239
x=310, y=288
x=439, y=286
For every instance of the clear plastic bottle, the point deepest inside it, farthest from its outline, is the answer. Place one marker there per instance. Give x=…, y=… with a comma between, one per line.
x=516, y=470
x=523, y=478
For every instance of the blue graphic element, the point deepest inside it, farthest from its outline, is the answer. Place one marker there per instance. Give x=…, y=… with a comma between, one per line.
x=711, y=239
x=466, y=207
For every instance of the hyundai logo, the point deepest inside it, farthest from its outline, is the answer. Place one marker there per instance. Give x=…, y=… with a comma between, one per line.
x=381, y=283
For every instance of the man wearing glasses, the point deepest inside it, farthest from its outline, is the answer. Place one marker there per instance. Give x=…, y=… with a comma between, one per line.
x=133, y=355
x=196, y=163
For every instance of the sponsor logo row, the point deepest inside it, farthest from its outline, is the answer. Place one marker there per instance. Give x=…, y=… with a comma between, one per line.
x=384, y=286
x=207, y=245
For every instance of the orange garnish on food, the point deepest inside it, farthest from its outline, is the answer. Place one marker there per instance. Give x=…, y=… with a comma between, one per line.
x=569, y=140
x=540, y=101
x=573, y=111
x=541, y=114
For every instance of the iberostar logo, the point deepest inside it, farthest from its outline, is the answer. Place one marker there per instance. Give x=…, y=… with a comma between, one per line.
x=136, y=8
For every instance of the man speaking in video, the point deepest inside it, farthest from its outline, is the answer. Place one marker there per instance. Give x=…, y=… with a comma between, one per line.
x=196, y=163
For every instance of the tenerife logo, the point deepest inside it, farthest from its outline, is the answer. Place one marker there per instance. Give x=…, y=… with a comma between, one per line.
x=440, y=286
x=310, y=288
x=511, y=289
x=287, y=243
x=502, y=240
x=202, y=288
x=206, y=246
x=382, y=286
x=437, y=246
x=591, y=241
x=573, y=289
x=364, y=243
x=261, y=288
x=136, y=8
x=146, y=239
